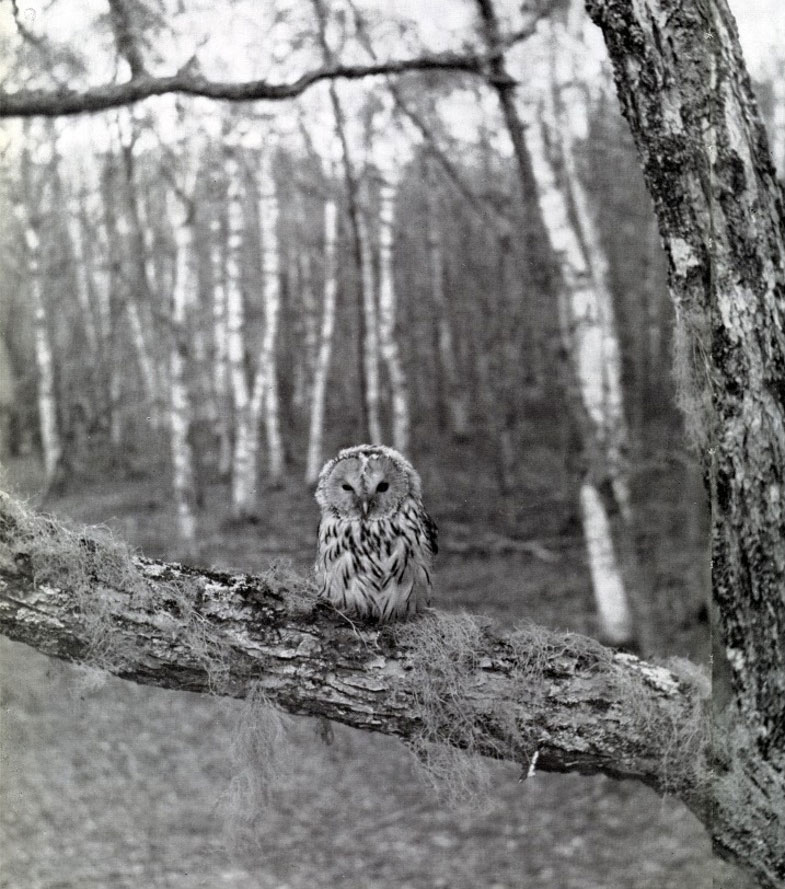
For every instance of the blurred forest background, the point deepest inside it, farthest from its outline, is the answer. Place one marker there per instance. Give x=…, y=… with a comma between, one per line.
x=201, y=302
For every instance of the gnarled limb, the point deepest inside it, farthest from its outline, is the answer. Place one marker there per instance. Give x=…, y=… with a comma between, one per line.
x=443, y=679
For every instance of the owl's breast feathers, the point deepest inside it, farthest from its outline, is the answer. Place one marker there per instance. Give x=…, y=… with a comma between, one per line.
x=378, y=568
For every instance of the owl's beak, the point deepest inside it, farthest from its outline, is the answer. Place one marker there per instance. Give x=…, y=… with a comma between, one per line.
x=366, y=506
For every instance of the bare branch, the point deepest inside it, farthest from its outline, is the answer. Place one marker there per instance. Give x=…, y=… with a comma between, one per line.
x=31, y=103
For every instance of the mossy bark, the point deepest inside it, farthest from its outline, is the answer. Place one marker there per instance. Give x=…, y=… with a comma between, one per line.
x=579, y=706
x=686, y=95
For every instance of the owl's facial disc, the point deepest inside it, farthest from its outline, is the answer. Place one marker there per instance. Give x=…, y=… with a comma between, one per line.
x=367, y=488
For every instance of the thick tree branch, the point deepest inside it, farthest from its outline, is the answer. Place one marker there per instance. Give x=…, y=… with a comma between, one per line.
x=559, y=702
x=73, y=596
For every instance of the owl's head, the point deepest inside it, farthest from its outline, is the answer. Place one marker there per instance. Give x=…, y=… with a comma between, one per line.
x=366, y=482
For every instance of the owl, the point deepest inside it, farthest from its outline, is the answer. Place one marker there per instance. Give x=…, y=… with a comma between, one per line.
x=376, y=541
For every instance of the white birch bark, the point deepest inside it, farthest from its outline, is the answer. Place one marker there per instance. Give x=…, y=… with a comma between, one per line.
x=51, y=444
x=589, y=332
x=610, y=597
x=318, y=394
x=371, y=343
x=246, y=408
x=387, y=308
x=180, y=407
x=268, y=223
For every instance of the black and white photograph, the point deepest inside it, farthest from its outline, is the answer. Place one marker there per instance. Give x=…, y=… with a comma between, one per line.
x=392, y=444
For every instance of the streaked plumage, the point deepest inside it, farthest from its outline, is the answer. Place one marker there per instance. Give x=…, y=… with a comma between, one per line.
x=376, y=541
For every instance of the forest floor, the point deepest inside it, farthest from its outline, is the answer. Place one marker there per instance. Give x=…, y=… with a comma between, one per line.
x=108, y=784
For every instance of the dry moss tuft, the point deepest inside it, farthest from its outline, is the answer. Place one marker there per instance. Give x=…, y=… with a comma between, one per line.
x=262, y=757
x=297, y=590
x=445, y=651
x=682, y=735
x=102, y=574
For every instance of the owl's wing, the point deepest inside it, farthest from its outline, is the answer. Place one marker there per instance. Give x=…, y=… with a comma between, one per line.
x=431, y=532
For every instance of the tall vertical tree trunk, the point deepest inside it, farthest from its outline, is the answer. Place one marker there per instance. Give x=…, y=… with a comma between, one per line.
x=268, y=222
x=690, y=107
x=371, y=342
x=180, y=407
x=387, y=309
x=51, y=445
x=110, y=295
x=73, y=218
x=585, y=334
x=246, y=406
x=220, y=366
x=590, y=340
x=352, y=193
x=122, y=231
x=318, y=394
x=143, y=290
x=454, y=395
x=309, y=328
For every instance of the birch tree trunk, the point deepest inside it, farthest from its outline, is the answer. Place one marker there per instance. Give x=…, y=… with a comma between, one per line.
x=51, y=445
x=73, y=219
x=124, y=232
x=584, y=330
x=268, y=223
x=180, y=407
x=315, y=456
x=109, y=292
x=220, y=365
x=387, y=332
x=308, y=326
x=144, y=284
x=454, y=395
x=246, y=405
x=689, y=103
x=590, y=340
x=371, y=342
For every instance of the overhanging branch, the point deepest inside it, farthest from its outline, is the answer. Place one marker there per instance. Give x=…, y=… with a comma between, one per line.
x=45, y=103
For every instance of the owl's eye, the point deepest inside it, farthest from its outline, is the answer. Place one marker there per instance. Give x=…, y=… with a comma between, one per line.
x=382, y=487
x=347, y=487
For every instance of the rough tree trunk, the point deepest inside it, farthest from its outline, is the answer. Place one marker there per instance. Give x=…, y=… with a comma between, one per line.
x=686, y=95
x=319, y=390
